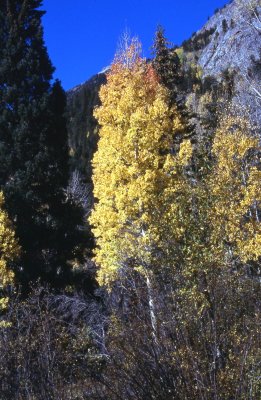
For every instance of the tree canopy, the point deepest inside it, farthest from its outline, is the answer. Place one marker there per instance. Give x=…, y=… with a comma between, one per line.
x=33, y=147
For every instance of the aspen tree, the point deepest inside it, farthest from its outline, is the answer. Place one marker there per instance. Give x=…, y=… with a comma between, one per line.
x=136, y=175
x=235, y=189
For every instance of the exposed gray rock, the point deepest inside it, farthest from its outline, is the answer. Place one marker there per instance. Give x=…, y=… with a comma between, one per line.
x=234, y=45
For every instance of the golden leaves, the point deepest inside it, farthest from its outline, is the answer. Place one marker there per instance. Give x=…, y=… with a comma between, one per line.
x=132, y=179
x=149, y=211
x=9, y=250
x=235, y=188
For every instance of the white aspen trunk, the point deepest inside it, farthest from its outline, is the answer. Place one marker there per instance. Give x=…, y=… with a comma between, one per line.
x=152, y=311
x=256, y=211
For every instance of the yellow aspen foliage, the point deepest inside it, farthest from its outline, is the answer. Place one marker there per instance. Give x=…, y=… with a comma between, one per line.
x=222, y=223
x=235, y=189
x=9, y=251
x=222, y=236
x=136, y=177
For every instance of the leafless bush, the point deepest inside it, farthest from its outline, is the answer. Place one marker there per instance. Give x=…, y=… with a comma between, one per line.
x=50, y=350
x=198, y=354
x=80, y=192
x=69, y=347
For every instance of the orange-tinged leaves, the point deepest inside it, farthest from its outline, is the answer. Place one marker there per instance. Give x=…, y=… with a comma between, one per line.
x=131, y=183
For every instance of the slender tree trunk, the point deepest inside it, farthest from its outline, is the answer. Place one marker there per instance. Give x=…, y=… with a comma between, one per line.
x=152, y=310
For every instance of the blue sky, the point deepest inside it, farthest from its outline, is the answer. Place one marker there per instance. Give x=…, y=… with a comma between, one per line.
x=82, y=35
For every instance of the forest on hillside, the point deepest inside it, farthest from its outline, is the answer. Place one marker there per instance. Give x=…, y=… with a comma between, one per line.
x=130, y=259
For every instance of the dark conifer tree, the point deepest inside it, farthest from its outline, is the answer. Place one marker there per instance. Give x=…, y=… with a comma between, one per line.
x=166, y=62
x=168, y=67
x=33, y=148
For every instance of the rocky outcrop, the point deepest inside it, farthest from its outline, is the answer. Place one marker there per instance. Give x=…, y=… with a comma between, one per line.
x=235, y=46
x=235, y=41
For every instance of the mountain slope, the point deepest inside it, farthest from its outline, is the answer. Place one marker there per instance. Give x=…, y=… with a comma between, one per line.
x=82, y=126
x=221, y=63
x=235, y=41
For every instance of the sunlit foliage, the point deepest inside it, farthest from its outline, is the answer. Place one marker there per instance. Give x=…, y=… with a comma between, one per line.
x=9, y=251
x=136, y=175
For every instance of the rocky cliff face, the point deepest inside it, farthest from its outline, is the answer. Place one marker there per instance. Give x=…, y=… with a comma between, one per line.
x=235, y=41
x=235, y=46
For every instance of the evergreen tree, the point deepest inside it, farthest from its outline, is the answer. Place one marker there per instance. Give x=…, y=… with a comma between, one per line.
x=166, y=63
x=33, y=146
x=168, y=68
